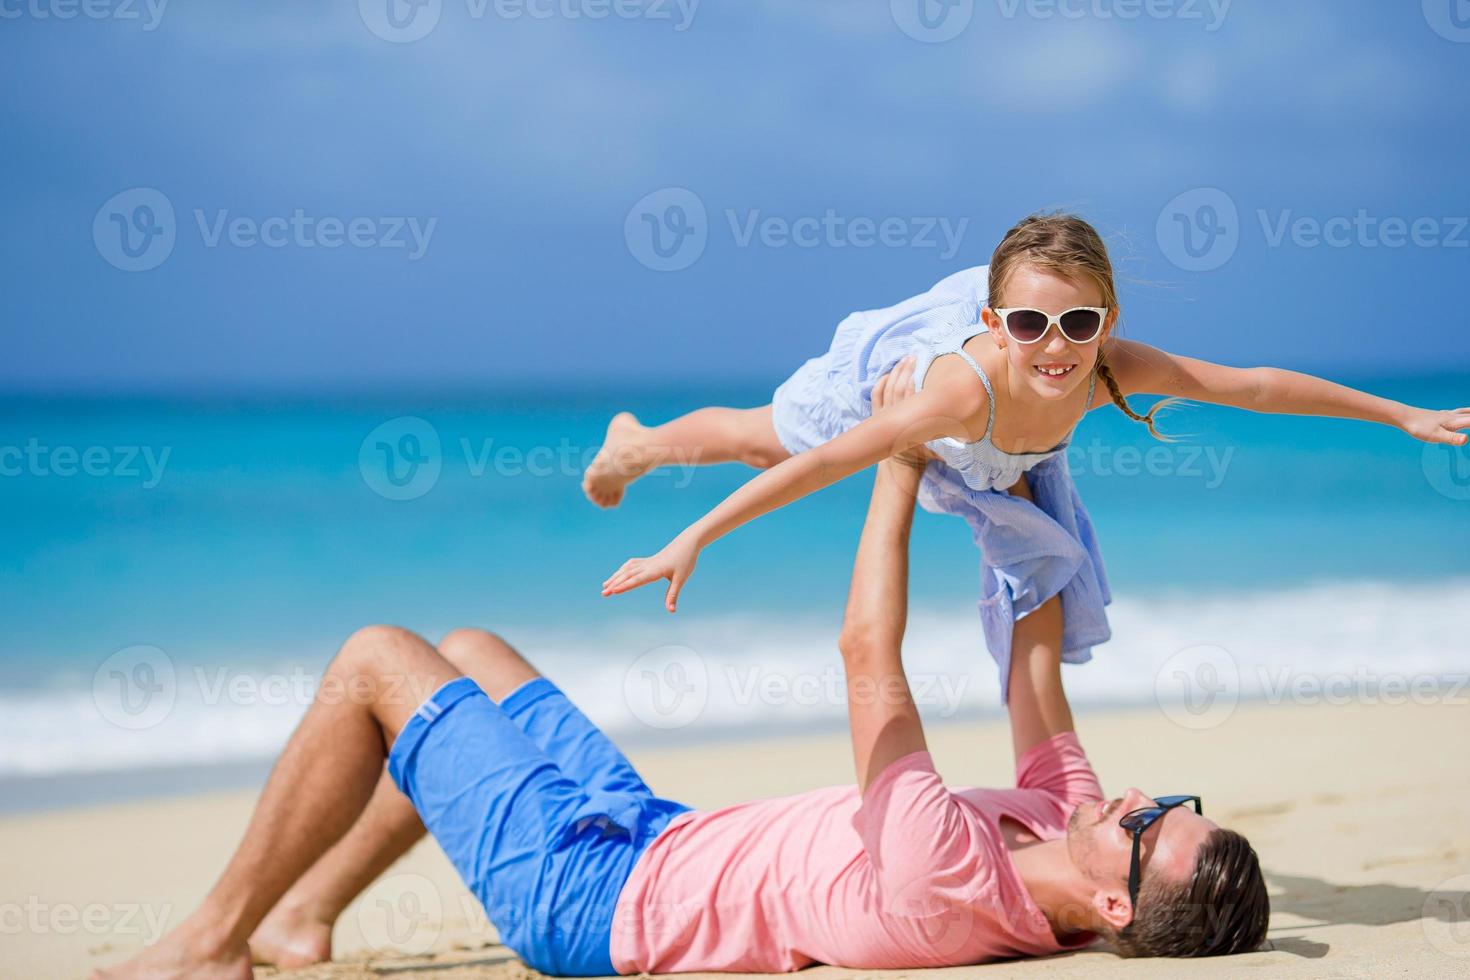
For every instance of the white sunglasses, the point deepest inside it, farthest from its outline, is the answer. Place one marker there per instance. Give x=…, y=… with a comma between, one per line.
x=1080, y=324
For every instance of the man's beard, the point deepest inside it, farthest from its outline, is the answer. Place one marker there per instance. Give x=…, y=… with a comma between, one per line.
x=1079, y=847
x=1082, y=827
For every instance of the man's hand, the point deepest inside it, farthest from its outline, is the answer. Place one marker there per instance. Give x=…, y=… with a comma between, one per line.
x=892, y=388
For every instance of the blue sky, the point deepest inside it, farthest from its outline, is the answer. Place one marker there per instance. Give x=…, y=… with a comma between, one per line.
x=520, y=148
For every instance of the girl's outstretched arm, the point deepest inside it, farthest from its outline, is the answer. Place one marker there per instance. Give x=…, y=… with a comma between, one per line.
x=1141, y=369
x=950, y=409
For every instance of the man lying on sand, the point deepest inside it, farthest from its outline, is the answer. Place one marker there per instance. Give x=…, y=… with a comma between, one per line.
x=584, y=871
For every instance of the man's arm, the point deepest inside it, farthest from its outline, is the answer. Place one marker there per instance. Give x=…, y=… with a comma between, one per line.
x=885, y=723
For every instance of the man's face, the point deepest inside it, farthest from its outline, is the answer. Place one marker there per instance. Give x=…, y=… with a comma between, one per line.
x=1102, y=850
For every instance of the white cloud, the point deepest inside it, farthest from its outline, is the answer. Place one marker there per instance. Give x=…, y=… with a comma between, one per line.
x=1081, y=67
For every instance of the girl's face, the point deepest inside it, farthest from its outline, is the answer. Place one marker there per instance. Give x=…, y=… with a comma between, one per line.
x=1053, y=367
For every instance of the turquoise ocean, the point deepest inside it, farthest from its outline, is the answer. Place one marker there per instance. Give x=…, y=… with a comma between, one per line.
x=175, y=572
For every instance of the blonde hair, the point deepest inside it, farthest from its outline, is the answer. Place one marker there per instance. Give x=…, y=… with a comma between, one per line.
x=1069, y=247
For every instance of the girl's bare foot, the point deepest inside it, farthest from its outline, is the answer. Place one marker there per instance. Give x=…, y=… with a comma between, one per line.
x=187, y=953
x=622, y=459
x=291, y=939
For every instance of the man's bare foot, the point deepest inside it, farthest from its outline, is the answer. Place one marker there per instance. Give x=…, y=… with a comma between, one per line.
x=291, y=939
x=622, y=459
x=184, y=954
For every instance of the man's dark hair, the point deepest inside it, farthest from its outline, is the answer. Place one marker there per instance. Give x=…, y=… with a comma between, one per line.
x=1222, y=908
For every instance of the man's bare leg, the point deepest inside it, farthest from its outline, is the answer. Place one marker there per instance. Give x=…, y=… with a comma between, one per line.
x=298, y=931
x=320, y=785
x=706, y=436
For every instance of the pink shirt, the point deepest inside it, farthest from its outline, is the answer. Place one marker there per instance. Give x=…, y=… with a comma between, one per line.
x=914, y=875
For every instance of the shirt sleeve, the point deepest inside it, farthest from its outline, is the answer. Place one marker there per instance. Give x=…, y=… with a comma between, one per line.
x=1059, y=768
x=928, y=849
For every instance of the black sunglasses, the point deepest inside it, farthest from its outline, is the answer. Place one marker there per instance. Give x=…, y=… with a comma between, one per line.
x=1137, y=821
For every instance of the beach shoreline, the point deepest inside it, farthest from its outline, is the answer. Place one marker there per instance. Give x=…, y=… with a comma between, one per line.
x=1355, y=809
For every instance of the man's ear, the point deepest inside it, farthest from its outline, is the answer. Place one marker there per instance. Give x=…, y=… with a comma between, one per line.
x=1112, y=906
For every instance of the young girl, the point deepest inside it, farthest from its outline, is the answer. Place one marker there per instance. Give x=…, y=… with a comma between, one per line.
x=1005, y=361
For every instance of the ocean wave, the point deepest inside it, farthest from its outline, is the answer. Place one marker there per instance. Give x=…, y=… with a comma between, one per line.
x=1192, y=655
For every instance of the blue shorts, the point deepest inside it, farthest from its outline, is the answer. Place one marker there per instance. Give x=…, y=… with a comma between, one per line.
x=539, y=812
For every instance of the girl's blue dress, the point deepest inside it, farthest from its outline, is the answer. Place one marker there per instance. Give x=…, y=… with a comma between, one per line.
x=1029, y=552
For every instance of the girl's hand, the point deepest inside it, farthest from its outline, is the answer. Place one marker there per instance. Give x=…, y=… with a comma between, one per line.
x=1434, y=426
x=675, y=563
x=892, y=388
